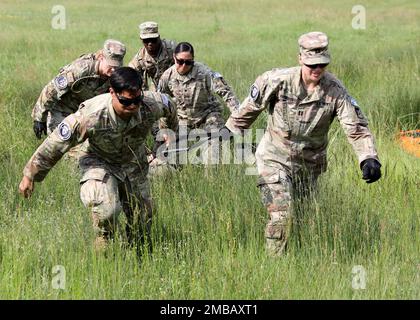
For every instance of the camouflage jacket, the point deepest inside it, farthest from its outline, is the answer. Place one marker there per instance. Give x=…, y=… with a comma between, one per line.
x=75, y=83
x=152, y=68
x=193, y=92
x=296, y=137
x=108, y=142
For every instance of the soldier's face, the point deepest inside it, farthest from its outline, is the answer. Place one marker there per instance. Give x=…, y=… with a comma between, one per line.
x=126, y=103
x=313, y=73
x=105, y=70
x=184, y=62
x=152, y=45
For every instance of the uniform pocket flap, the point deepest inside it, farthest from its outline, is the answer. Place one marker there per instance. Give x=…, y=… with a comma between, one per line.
x=94, y=174
x=274, y=177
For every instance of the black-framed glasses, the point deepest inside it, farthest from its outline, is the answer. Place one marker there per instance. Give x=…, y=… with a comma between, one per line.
x=126, y=102
x=187, y=62
x=314, y=66
x=150, y=40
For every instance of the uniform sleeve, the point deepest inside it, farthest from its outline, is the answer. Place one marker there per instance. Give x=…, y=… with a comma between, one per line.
x=70, y=132
x=355, y=125
x=221, y=87
x=58, y=87
x=163, y=86
x=168, y=113
x=134, y=63
x=261, y=95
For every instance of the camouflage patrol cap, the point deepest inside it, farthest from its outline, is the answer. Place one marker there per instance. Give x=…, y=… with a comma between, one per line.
x=114, y=52
x=313, y=48
x=148, y=30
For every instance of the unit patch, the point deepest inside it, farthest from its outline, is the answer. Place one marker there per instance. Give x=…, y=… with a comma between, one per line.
x=64, y=131
x=61, y=82
x=254, y=92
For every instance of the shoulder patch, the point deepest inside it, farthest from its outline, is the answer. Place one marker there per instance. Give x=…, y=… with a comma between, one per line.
x=61, y=82
x=216, y=75
x=254, y=92
x=353, y=101
x=64, y=131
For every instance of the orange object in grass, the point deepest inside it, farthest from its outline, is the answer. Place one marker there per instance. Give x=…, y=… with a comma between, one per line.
x=410, y=141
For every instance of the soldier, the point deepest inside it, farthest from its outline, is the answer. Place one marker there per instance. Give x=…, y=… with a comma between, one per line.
x=84, y=78
x=113, y=128
x=155, y=57
x=301, y=103
x=193, y=84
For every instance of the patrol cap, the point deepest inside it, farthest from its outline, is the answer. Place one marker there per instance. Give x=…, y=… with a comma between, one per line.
x=114, y=52
x=148, y=30
x=313, y=47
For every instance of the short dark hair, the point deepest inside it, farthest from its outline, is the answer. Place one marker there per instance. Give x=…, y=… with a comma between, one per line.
x=126, y=79
x=184, y=47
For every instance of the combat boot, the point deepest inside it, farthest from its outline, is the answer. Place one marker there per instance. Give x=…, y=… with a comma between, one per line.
x=100, y=244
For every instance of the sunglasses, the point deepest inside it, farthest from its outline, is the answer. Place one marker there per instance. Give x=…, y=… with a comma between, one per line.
x=126, y=102
x=186, y=62
x=314, y=66
x=150, y=40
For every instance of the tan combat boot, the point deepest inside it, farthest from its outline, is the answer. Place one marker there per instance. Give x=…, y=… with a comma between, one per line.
x=100, y=244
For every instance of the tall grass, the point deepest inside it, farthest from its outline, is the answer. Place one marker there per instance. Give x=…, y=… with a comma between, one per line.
x=208, y=239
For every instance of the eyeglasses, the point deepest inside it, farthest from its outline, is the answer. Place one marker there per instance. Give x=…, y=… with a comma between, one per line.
x=150, y=40
x=314, y=66
x=126, y=102
x=186, y=62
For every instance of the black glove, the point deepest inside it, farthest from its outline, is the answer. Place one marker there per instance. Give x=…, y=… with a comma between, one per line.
x=371, y=169
x=39, y=128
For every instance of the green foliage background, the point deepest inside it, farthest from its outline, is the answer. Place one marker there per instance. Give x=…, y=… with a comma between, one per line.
x=208, y=231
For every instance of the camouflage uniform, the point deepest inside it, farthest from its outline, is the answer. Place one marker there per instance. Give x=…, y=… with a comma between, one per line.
x=75, y=83
x=198, y=107
x=292, y=152
x=112, y=161
x=152, y=67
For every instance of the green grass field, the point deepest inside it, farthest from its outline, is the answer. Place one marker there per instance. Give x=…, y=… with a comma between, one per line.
x=208, y=231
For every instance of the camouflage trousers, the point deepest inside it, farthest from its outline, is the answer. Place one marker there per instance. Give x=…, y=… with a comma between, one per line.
x=106, y=196
x=278, y=197
x=206, y=154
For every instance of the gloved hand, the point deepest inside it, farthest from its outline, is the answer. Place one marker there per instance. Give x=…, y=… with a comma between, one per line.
x=371, y=169
x=39, y=128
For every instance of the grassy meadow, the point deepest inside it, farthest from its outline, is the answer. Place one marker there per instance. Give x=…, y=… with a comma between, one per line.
x=208, y=231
